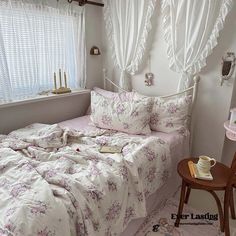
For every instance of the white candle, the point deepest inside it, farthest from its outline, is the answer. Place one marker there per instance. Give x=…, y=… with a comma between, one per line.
x=55, y=81
x=65, y=79
x=60, y=78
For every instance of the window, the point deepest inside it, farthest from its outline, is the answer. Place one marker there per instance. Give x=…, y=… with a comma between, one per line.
x=36, y=41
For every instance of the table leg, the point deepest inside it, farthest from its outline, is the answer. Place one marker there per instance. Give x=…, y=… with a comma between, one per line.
x=232, y=204
x=219, y=209
x=226, y=211
x=187, y=195
x=181, y=203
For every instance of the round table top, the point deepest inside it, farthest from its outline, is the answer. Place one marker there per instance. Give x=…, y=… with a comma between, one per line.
x=220, y=174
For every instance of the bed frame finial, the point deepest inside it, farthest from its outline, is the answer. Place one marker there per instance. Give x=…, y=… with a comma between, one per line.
x=196, y=79
x=104, y=78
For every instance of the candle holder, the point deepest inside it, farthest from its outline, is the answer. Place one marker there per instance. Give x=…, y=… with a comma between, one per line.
x=61, y=89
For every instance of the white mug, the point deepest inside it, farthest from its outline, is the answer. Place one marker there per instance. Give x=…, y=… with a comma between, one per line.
x=204, y=163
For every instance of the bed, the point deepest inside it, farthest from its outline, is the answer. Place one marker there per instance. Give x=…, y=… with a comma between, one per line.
x=54, y=180
x=179, y=148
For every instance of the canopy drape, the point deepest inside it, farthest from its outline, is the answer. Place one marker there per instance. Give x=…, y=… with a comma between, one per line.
x=128, y=24
x=191, y=30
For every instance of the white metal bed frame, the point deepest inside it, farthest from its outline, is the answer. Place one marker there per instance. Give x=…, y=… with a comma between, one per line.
x=193, y=90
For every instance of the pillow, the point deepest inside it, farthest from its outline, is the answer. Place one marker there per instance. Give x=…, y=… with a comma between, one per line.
x=104, y=92
x=169, y=115
x=132, y=116
x=125, y=96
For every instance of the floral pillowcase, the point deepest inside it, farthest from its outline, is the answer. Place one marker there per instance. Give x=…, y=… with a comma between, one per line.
x=170, y=115
x=118, y=113
x=125, y=96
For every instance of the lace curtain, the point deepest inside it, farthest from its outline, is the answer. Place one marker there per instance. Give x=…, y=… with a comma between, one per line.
x=36, y=39
x=191, y=32
x=128, y=24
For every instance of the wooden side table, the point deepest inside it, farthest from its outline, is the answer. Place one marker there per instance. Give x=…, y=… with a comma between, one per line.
x=220, y=174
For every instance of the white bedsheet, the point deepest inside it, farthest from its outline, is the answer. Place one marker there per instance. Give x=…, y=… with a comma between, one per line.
x=55, y=182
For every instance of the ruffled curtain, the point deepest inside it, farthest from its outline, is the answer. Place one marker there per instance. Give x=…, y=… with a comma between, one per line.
x=128, y=24
x=191, y=31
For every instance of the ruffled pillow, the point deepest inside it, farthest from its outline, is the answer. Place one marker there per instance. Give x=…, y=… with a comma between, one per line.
x=129, y=116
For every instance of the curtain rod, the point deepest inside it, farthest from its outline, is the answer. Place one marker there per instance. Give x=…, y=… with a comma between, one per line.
x=83, y=2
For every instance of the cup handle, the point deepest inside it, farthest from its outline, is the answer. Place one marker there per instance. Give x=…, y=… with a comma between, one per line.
x=212, y=159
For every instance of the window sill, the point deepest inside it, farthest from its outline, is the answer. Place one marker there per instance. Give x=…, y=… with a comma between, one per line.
x=39, y=98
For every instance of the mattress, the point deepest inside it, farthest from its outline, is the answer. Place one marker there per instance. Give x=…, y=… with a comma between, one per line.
x=179, y=149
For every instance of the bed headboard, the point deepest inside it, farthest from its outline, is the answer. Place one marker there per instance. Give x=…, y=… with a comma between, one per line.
x=191, y=90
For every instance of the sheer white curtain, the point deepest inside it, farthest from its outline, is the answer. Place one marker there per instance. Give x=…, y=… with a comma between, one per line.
x=191, y=32
x=36, y=39
x=128, y=24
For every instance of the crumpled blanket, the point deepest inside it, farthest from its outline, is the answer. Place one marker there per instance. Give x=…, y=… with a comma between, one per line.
x=54, y=181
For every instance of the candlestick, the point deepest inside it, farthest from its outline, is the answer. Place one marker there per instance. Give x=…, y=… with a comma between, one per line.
x=65, y=79
x=60, y=78
x=55, y=81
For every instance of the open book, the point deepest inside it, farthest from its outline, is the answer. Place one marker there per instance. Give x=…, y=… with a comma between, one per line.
x=196, y=173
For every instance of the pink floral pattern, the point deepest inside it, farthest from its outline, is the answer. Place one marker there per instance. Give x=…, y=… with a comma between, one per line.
x=113, y=211
x=58, y=180
x=39, y=208
x=111, y=186
x=129, y=213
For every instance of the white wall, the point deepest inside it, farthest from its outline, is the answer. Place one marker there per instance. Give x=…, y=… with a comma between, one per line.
x=48, y=112
x=213, y=103
x=94, y=22
x=61, y=109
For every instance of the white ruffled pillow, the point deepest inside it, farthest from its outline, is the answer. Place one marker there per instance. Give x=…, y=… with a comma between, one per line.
x=169, y=115
x=131, y=116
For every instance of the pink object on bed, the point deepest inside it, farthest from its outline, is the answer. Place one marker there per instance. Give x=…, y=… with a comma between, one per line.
x=81, y=123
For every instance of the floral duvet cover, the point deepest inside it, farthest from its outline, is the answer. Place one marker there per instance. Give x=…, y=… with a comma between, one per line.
x=54, y=181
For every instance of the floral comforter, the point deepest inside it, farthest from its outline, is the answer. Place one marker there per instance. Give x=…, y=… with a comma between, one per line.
x=54, y=181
